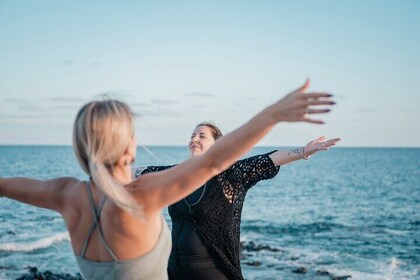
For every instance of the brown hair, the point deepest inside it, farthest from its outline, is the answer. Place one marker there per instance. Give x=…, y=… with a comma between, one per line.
x=215, y=131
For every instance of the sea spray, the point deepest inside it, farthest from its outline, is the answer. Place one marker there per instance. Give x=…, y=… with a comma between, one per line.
x=36, y=245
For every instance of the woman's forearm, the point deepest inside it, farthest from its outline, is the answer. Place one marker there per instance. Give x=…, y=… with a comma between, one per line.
x=314, y=146
x=286, y=157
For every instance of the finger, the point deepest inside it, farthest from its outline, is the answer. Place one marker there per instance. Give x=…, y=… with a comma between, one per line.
x=304, y=87
x=335, y=140
x=317, y=141
x=331, y=142
x=309, y=120
x=317, y=102
x=320, y=139
x=313, y=142
x=327, y=145
x=317, y=111
x=316, y=95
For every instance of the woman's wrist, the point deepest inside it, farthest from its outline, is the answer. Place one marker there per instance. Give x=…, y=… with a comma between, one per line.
x=302, y=153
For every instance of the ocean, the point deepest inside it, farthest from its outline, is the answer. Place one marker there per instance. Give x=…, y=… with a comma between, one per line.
x=348, y=213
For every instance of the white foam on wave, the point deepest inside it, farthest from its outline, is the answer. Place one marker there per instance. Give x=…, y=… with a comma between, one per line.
x=31, y=246
x=392, y=268
x=396, y=232
x=393, y=271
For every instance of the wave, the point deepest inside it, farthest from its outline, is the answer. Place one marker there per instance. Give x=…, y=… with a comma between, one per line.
x=292, y=228
x=36, y=245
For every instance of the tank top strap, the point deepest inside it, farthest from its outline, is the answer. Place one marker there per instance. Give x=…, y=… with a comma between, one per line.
x=96, y=216
x=101, y=233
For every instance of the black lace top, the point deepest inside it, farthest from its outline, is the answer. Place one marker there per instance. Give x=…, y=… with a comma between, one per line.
x=217, y=216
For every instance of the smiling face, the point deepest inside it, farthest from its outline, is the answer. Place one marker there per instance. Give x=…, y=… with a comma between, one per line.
x=201, y=140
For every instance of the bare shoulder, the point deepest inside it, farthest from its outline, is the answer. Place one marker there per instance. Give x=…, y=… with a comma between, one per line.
x=72, y=187
x=69, y=192
x=73, y=201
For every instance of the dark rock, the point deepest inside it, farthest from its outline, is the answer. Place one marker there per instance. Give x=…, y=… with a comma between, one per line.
x=251, y=246
x=301, y=270
x=345, y=277
x=254, y=263
x=34, y=274
x=322, y=273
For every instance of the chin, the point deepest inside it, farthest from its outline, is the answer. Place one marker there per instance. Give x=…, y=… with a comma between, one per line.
x=196, y=153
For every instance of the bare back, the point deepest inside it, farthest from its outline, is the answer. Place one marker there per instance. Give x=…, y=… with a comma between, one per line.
x=127, y=236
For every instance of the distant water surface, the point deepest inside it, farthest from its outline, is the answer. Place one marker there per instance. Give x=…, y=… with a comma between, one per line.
x=346, y=212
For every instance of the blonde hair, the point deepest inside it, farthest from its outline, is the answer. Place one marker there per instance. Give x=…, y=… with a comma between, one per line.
x=102, y=132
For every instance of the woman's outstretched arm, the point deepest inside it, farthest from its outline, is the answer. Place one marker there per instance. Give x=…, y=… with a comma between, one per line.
x=48, y=194
x=286, y=157
x=157, y=190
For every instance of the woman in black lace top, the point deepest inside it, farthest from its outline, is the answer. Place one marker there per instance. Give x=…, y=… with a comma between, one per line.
x=206, y=224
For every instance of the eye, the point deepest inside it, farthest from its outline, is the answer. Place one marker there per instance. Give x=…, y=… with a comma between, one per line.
x=203, y=136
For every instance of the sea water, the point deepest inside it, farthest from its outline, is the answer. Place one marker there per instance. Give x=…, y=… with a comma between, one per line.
x=347, y=212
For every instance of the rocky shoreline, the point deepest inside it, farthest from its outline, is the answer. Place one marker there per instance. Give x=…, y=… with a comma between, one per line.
x=249, y=255
x=35, y=274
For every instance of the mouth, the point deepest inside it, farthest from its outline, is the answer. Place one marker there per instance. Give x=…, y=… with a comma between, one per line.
x=192, y=147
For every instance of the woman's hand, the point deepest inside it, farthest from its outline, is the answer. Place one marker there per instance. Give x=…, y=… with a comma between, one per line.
x=299, y=104
x=319, y=144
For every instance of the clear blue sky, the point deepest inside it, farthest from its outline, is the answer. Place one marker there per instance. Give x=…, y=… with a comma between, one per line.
x=181, y=62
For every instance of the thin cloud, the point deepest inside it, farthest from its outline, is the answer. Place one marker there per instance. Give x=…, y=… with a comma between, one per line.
x=139, y=104
x=14, y=100
x=23, y=105
x=29, y=116
x=66, y=99
x=163, y=101
x=200, y=94
x=107, y=93
x=193, y=111
x=30, y=107
x=158, y=112
x=42, y=105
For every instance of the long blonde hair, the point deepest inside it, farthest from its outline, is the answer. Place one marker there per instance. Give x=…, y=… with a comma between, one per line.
x=102, y=132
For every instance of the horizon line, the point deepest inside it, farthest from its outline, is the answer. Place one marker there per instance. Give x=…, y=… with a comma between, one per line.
x=185, y=146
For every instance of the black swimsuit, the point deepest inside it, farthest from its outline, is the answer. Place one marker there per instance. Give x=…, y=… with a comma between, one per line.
x=191, y=258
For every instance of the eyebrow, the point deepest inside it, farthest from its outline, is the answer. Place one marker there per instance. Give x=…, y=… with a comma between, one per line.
x=201, y=133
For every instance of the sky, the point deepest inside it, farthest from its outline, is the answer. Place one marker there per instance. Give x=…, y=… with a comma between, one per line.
x=178, y=63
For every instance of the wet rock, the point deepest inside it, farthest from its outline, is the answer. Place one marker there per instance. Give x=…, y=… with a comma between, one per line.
x=300, y=270
x=251, y=246
x=345, y=277
x=322, y=273
x=253, y=263
x=35, y=274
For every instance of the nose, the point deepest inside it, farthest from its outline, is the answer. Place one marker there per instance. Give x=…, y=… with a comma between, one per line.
x=194, y=139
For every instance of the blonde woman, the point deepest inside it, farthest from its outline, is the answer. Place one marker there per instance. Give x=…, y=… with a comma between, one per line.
x=116, y=226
